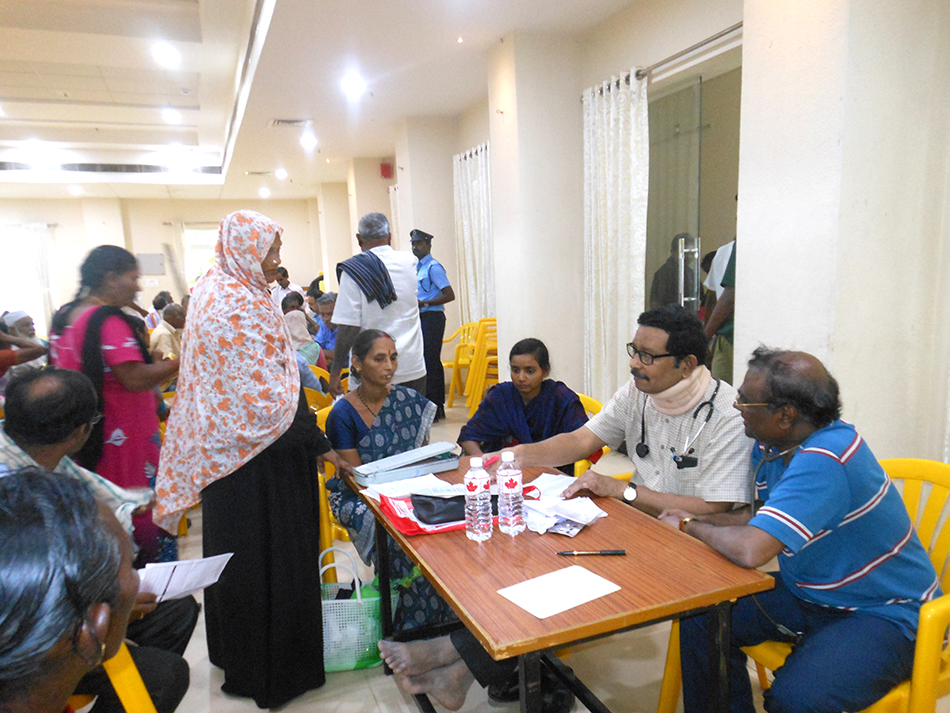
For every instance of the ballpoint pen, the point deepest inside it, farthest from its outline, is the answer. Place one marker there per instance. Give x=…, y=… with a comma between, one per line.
x=491, y=460
x=577, y=553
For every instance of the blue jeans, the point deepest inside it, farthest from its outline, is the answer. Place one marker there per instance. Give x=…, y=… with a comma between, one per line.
x=845, y=662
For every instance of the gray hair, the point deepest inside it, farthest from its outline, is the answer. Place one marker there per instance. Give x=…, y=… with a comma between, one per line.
x=58, y=559
x=327, y=298
x=374, y=226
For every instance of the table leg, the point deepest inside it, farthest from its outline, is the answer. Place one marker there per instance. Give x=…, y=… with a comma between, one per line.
x=720, y=635
x=529, y=676
x=385, y=586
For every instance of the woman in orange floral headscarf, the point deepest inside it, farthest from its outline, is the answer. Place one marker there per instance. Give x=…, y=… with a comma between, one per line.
x=242, y=441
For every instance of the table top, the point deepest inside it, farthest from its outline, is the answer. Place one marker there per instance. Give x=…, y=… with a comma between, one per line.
x=664, y=573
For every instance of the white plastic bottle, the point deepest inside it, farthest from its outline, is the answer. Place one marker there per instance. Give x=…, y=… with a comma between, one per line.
x=478, y=516
x=510, y=496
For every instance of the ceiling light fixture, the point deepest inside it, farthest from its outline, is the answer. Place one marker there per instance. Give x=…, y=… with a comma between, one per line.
x=281, y=174
x=353, y=86
x=460, y=40
x=264, y=192
x=75, y=190
x=308, y=141
x=40, y=155
x=166, y=55
x=171, y=116
x=1, y=111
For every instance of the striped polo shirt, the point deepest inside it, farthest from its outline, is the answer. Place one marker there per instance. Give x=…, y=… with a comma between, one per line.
x=849, y=542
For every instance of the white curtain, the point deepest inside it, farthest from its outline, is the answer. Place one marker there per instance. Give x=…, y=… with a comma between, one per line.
x=473, y=234
x=616, y=182
x=394, y=215
x=24, y=275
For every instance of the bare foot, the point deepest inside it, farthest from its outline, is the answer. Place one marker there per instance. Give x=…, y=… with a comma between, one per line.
x=416, y=657
x=448, y=685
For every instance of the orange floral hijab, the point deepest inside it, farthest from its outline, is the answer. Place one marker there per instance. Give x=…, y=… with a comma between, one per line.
x=238, y=386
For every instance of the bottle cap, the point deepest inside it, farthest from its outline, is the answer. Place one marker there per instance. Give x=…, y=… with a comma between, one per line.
x=475, y=462
x=507, y=456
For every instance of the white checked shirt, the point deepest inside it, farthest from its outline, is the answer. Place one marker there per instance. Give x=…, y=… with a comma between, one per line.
x=724, y=452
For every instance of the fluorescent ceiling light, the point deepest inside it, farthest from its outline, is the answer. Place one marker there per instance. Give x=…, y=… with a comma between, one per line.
x=40, y=155
x=264, y=192
x=281, y=173
x=166, y=55
x=353, y=86
x=171, y=116
x=1, y=111
x=308, y=141
x=75, y=190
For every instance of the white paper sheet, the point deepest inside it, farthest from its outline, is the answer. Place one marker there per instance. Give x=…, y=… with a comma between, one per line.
x=172, y=580
x=423, y=485
x=558, y=591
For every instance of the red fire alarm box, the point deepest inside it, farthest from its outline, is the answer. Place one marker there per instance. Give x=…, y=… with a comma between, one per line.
x=386, y=170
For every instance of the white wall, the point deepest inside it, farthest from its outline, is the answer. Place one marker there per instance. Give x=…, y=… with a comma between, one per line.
x=336, y=239
x=143, y=226
x=841, y=229
x=472, y=127
x=537, y=201
x=369, y=193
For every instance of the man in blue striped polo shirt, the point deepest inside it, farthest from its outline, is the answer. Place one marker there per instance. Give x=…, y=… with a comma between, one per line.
x=852, y=572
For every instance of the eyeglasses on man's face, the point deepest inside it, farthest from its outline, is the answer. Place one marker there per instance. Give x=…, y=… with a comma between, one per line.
x=645, y=357
x=740, y=404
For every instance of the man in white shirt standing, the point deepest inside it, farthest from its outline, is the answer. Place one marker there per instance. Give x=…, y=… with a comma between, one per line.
x=378, y=291
x=284, y=286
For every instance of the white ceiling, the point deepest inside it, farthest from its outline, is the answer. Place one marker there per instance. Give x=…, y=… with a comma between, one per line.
x=79, y=75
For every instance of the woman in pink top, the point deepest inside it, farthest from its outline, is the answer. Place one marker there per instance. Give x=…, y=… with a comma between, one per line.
x=93, y=335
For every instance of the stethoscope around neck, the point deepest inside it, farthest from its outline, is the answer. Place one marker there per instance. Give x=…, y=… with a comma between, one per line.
x=685, y=459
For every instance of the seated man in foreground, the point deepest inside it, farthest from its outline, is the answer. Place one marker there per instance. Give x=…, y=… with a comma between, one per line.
x=690, y=453
x=852, y=572
x=68, y=588
x=49, y=416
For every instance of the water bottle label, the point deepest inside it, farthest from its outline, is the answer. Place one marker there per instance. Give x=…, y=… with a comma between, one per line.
x=510, y=482
x=473, y=485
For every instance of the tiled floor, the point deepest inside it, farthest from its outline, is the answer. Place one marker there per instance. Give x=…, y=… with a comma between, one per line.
x=625, y=671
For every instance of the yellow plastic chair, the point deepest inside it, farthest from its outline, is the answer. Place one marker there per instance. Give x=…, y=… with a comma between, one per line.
x=926, y=486
x=330, y=529
x=127, y=682
x=483, y=371
x=462, y=360
x=592, y=406
x=316, y=400
x=320, y=373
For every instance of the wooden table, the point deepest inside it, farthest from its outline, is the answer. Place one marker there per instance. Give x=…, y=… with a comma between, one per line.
x=665, y=574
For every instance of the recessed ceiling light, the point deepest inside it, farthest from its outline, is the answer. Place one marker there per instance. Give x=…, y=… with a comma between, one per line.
x=280, y=173
x=1, y=111
x=171, y=116
x=328, y=160
x=353, y=86
x=264, y=192
x=75, y=190
x=460, y=40
x=166, y=55
x=308, y=141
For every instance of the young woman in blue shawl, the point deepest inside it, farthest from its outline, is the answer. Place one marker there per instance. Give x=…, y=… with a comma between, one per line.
x=527, y=409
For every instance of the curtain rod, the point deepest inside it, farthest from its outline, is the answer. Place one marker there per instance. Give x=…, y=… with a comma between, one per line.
x=641, y=73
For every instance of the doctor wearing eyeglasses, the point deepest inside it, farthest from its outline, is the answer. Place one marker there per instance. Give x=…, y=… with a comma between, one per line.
x=684, y=437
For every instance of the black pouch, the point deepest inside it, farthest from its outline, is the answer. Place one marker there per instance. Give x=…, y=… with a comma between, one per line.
x=437, y=511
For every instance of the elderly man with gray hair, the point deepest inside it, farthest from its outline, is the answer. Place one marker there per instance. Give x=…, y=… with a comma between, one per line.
x=378, y=291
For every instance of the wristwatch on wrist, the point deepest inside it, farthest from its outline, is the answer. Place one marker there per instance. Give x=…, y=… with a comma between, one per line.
x=630, y=493
x=683, y=523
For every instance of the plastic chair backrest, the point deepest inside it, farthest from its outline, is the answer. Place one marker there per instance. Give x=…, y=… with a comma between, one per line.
x=591, y=405
x=316, y=400
x=926, y=489
x=320, y=373
x=127, y=682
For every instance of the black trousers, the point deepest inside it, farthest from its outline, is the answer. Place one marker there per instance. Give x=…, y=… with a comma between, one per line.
x=433, y=331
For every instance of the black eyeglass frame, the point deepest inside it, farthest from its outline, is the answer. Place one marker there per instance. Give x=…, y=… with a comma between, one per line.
x=645, y=357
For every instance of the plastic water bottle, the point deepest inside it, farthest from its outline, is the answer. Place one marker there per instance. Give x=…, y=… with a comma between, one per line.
x=478, y=517
x=510, y=496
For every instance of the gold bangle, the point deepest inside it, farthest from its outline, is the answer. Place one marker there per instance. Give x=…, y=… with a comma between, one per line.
x=683, y=523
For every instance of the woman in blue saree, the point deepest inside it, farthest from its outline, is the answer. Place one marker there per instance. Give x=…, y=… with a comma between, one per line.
x=376, y=420
x=529, y=408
